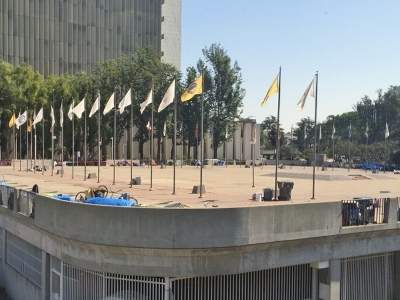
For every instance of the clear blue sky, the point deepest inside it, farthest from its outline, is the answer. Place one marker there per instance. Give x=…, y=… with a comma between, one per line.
x=355, y=46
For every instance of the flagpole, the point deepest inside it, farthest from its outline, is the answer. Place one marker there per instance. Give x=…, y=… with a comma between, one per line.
x=27, y=142
x=131, y=142
x=253, y=148
x=175, y=113
x=31, y=153
x=277, y=135
x=84, y=142
x=43, y=145
x=182, y=142
x=20, y=148
x=62, y=138
x=15, y=143
x=73, y=141
x=34, y=161
x=99, y=139
x=52, y=139
x=152, y=140
x=315, y=133
x=349, y=148
x=115, y=134
x=202, y=141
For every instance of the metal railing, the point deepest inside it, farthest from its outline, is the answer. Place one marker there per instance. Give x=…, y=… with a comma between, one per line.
x=20, y=201
x=365, y=211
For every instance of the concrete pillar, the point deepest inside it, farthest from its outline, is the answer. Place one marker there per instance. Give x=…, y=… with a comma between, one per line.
x=45, y=276
x=335, y=274
x=315, y=284
x=393, y=211
x=167, y=288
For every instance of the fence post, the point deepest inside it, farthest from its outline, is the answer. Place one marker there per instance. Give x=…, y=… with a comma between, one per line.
x=393, y=210
x=167, y=288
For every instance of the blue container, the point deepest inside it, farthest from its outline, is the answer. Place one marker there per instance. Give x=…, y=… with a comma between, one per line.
x=111, y=201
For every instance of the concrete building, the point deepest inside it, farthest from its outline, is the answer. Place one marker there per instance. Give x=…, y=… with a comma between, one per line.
x=237, y=148
x=67, y=36
x=64, y=250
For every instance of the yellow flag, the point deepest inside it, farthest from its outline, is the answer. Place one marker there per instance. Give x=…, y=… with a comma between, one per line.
x=271, y=91
x=11, y=123
x=195, y=88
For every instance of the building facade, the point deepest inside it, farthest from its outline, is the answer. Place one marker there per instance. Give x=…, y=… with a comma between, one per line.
x=68, y=36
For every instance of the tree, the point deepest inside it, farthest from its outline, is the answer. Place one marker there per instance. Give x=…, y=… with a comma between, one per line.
x=224, y=93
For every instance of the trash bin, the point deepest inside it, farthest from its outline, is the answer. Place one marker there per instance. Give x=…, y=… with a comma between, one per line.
x=268, y=195
x=285, y=190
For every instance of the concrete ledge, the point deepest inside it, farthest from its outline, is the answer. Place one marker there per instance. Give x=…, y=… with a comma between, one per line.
x=188, y=228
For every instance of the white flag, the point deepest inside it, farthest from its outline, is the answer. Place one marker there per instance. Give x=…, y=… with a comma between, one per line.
x=61, y=116
x=308, y=92
x=79, y=109
x=333, y=131
x=305, y=132
x=95, y=107
x=168, y=98
x=39, y=117
x=367, y=131
x=53, y=118
x=147, y=102
x=387, y=134
x=21, y=120
x=125, y=102
x=70, y=112
x=110, y=104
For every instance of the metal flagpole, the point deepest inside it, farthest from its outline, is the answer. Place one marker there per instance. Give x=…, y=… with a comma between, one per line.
x=131, y=142
x=182, y=142
x=115, y=133
x=20, y=148
x=152, y=144
x=27, y=142
x=15, y=144
x=253, y=148
x=175, y=112
x=62, y=138
x=202, y=141
x=31, y=152
x=315, y=133
x=349, y=148
x=73, y=141
x=52, y=142
x=35, y=158
x=84, y=142
x=277, y=135
x=43, y=145
x=99, y=139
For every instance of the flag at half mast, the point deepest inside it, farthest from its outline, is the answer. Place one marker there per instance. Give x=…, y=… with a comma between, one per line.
x=12, y=121
x=147, y=102
x=273, y=90
x=308, y=92
x=194, y=89
x=39, y=117
x=168, y=97
x=95, y=107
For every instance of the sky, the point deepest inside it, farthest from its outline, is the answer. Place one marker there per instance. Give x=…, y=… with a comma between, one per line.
x=353, y=44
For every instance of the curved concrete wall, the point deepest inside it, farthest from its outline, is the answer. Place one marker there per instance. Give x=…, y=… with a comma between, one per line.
x=186, y=228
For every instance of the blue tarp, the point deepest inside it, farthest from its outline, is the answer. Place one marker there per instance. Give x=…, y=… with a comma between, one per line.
x=63, y=197
x=111, y=201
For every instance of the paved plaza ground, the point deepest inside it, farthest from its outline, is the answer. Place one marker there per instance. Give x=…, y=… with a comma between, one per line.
x=226, y=187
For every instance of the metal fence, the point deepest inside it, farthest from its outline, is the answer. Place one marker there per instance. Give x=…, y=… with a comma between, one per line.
x=367, y=278
x=286, y=283
x=365, y=211
x=20, y=201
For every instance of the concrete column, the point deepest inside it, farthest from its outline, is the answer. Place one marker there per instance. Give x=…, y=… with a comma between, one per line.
x=335, y=273
x=393, y=211
x=315, y=284
x=167, y=288
x=45, y=276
